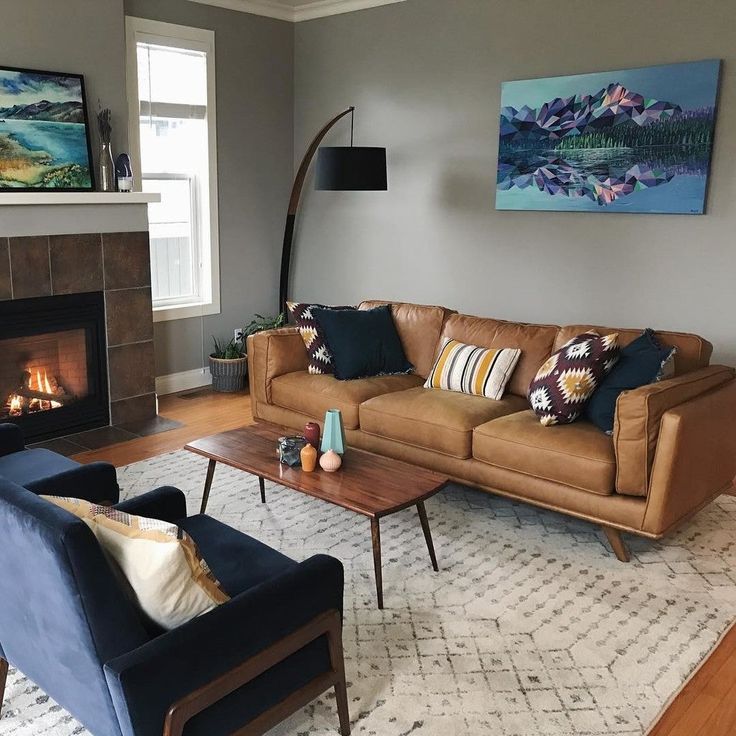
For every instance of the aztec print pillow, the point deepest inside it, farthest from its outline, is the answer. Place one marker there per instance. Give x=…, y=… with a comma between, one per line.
x=469, y=369
x=320, y=357
x=564, y=384
x=170, y=581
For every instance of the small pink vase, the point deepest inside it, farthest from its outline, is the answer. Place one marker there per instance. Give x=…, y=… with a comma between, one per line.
x=330, y=461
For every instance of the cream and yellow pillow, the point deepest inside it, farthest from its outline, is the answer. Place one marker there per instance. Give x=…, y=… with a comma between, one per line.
x=469, y=369
x=169, y=579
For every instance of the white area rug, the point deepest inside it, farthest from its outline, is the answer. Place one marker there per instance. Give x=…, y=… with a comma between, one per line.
x=530, y=628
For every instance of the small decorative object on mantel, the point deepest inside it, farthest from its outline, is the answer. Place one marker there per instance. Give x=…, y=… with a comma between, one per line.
x=106, y=165
x=290, y=449
x=124, y=173
x=308, y=457
x=311, y=434
x=333, y=437
x=228, y=366
x=330, y=461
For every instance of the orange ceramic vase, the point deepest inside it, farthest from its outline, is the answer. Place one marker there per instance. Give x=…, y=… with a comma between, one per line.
x=309, y=458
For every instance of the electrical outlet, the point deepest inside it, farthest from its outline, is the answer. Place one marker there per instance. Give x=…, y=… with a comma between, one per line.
x=238, y=333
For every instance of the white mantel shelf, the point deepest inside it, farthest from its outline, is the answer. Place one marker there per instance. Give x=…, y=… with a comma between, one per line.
x=75, y=198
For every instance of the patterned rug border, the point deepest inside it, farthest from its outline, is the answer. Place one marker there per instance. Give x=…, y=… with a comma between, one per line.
x=691, y=677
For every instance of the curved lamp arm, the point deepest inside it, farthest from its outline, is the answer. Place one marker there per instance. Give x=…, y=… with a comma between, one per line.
x=296, y=193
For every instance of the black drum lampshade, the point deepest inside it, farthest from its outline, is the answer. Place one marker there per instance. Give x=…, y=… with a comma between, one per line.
x=351, y=169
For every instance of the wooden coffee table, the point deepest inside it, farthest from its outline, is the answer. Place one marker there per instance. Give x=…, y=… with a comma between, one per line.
x=367, y=484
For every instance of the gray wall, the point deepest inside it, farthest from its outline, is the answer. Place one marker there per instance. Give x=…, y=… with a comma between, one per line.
x=77, y=36
x=426, y=78
x=254, y=69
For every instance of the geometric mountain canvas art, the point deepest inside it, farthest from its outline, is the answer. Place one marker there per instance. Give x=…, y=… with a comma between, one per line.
x=44, y=137
x=635, y=140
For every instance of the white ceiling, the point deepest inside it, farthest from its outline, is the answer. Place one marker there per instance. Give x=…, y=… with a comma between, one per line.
x=297, y=10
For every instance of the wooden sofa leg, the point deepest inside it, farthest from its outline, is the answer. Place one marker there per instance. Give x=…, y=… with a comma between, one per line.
x=617, y=543
x=337, y=660
x=3, y=679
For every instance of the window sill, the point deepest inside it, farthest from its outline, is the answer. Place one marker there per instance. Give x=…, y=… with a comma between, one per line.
x=185, y=311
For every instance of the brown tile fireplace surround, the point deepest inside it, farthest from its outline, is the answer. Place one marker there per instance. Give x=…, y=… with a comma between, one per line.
x=114, y=264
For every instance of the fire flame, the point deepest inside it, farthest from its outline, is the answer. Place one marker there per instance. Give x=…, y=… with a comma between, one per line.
x=41, y=384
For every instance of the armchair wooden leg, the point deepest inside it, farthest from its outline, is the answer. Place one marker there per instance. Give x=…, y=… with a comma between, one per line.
x=3, y=679
x=617, y=543
x=337, y=660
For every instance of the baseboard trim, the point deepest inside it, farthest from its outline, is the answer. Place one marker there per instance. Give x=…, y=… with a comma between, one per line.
x=183, y=381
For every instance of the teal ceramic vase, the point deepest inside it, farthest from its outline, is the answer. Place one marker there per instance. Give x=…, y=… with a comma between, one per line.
x=333, y=435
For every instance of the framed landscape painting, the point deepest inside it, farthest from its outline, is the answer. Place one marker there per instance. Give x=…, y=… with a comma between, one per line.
x=44, y=132
x=634, y=140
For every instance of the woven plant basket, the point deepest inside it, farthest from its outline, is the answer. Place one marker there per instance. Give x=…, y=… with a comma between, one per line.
x=228, y=375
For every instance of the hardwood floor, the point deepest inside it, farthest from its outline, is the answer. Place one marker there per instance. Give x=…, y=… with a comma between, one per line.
x=706, y=706
x=205, y=413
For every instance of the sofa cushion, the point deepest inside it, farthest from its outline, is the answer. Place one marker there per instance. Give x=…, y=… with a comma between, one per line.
x=693, y=352
x=363, y=343
x=534, y=341
x=577, y=455
x=314, y=395
x=320, y=357
x=564, y=384
x=441, y=421
x=469, y=369
x=419, y=328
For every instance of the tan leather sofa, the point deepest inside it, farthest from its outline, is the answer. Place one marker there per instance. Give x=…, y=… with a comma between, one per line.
x=673, y=448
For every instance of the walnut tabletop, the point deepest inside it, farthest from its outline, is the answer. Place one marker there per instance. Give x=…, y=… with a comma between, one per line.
x=367, y=484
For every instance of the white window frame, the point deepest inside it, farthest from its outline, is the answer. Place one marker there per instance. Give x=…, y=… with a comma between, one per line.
x=142, y=30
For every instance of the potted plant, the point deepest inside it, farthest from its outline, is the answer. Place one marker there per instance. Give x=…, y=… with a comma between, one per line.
x=229, y=362
x=228, y=365
x=260, y=324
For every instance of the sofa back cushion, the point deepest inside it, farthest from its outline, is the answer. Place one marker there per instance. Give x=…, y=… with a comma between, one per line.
x=693, y=352
x=534, y=341
x=419, y=327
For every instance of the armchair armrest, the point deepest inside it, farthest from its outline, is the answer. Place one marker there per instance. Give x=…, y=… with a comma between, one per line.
x=271, y=354
x=147, y=681
x=695, y=458
x=11, y=438
x=165, y=504
x=95, y=482
x=637, y=422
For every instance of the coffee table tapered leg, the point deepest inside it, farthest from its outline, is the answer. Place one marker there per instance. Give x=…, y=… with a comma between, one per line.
x=376, y=539
x=262, y=486
x=208, y=485
x=427, y=534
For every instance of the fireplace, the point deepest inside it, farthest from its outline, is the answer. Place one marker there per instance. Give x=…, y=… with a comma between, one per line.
x=53, y=366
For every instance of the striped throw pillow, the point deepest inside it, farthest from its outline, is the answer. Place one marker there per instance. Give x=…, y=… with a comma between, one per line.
x=469, y=369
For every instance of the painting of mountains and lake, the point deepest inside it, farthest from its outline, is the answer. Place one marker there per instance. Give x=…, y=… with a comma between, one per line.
x=634, y=140
x=44, y=134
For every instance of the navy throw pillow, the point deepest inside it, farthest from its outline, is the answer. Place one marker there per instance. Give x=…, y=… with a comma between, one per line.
x=640, y=363
x=363, y=343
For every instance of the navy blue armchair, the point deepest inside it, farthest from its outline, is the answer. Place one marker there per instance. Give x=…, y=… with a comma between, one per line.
x=45, y=472
x=67, y=623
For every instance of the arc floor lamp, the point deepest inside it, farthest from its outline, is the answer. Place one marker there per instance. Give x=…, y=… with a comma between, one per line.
x=339, y=168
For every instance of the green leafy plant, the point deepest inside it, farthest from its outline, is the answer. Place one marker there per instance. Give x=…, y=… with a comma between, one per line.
x=260, y=323
x=228, y=351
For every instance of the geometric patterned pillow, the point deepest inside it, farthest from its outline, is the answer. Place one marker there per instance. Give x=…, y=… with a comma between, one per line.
x=567, y=380
x=320, y=357
x=169, y=579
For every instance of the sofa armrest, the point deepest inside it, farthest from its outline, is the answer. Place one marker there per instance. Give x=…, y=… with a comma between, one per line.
x=638, y=417
x=11, y=439
x=95, y=482
x=271, y=354
x=165, y=504
x=695, y=458
x=145, y=682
